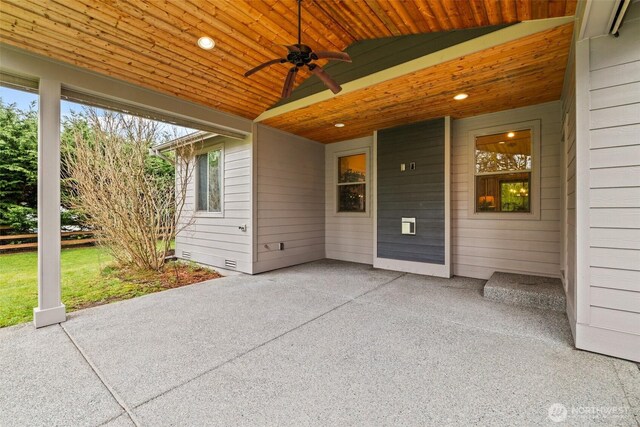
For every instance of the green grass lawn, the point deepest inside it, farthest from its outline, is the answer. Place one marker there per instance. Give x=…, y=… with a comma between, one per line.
x=86, y=281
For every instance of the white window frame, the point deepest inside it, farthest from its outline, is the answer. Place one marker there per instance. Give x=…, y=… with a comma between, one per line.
x=207, y=214
x=534, y=186
x=336, y=158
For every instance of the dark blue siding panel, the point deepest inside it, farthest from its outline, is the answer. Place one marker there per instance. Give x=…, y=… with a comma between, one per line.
x=415, y=193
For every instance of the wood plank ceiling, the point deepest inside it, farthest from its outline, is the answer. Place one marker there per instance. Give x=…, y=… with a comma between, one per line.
x=152, y=43
x=523, y=72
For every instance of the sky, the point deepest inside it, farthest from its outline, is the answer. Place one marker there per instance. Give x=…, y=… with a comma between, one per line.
x=18, y=97
x=23, y=99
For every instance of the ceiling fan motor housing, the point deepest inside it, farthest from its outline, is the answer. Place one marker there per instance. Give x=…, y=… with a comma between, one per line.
x=301, y=57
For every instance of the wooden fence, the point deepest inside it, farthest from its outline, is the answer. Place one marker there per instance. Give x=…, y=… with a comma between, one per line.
x=8, y=242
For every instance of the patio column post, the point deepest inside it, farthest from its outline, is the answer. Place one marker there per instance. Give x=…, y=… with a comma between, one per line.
x=50, y=309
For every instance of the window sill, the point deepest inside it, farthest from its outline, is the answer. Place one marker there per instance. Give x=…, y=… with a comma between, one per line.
x=518, y=216
x=352, y=214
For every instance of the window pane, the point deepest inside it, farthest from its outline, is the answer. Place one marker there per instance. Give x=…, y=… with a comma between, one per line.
x=202, y=183
x=508, y=151
x=214, y=181
x=352, y=168
x=514, y=196
x=503, y=192
x=352, y=198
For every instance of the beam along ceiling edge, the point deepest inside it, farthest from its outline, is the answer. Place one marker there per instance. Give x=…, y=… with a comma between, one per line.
x=23, y=63
x=496, y=38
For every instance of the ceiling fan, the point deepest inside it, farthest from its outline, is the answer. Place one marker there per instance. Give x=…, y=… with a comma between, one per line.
x=301, y=55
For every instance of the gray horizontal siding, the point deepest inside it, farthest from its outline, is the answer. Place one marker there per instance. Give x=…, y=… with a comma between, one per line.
x=213, y=240
x=349, y=237
x=290, y=199
x=482, y=246
x=614, y=195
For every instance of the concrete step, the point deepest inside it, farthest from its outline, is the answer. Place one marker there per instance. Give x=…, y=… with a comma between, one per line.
x=522, y=289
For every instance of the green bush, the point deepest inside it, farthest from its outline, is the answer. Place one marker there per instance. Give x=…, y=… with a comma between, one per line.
x=72, y=220
x=20, y=218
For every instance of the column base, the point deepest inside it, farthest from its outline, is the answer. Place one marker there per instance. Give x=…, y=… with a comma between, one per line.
x=49, y=316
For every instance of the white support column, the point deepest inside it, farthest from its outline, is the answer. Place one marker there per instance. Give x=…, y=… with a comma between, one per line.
x=50, y=309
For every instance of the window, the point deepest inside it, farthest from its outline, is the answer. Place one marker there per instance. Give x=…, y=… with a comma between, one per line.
x=503, y=166
x=209, y=181
x=352, y=183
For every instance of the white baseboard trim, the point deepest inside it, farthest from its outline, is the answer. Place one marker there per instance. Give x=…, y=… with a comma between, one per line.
x=437, y=270
x=606, y=341
x=49, y=316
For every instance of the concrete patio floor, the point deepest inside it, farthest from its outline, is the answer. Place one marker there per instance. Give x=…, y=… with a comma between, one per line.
x=325, y=343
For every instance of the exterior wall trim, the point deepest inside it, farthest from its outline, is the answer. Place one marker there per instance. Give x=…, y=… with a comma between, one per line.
x=23, y=63
x=438, y=270
x=583, y=279
x=606, y=341
x=334, y=202
x=534, y=201
x=205, y=214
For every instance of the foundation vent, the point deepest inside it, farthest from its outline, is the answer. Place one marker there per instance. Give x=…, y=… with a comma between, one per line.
x=230, y=263
x=186, y=255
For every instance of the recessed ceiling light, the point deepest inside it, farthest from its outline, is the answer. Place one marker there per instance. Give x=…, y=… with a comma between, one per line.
x=460, y=96
x=511, y=134
x=339, y=125
x=206, y=43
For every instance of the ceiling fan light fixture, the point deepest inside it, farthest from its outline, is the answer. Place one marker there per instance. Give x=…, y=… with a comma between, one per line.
x=206, y=43
x=460, y=96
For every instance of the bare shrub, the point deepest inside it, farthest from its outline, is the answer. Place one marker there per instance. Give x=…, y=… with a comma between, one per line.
x=132, y=209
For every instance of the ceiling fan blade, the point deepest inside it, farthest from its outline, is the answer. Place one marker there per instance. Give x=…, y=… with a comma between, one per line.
x=326, y=78
x=288, y=83
x=338, y=56
x=266, y=64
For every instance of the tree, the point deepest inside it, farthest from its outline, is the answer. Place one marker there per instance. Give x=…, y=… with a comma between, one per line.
x=18, y=166
x=493, y=161
x=129, y=199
